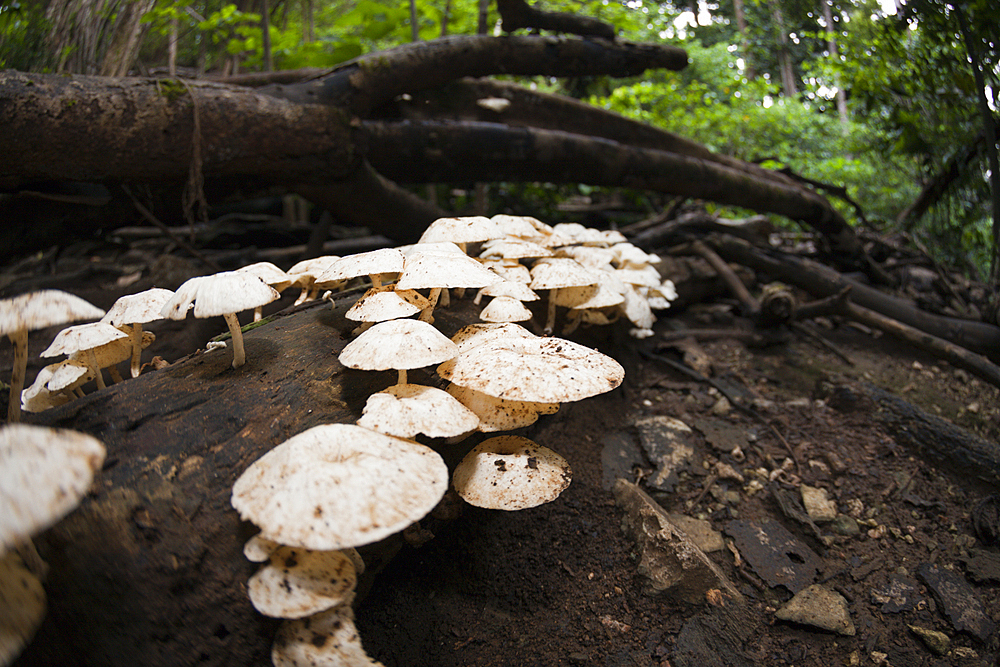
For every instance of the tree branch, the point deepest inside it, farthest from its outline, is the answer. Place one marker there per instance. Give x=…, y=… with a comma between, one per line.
x=517, y=14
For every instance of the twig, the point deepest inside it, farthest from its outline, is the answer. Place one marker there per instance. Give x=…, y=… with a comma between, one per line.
x=147, y=214
x=751, y=307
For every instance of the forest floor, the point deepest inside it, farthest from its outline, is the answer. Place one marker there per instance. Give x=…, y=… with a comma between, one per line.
x=559, y=584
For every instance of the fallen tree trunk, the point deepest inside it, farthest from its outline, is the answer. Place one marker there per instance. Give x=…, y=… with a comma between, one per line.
x=150, y=569
x=822, y=281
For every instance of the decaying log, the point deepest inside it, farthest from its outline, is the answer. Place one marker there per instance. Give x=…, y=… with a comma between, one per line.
x=822, y=281
x=150, y=570
x=930, y=436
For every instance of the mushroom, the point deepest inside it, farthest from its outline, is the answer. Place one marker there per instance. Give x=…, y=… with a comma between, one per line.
x=22, y=606
x=404, y=410
x=380, y=304
x=328, y=638
x=110, y=354
x=508, y=472
x=461, y=231
x=130, y=312
x=339, y=485
x=547, y=370
x=29, y=312
x=225, y=294
x=271, y=275
x=46, y=472
x=300, y=582
x=442, y=270
x=398, y=345
x=500, y=414
x=304, y=274
x=81, y=342
x=54, y=385
x=555, y=273
x=505, y=309
x=374, y=264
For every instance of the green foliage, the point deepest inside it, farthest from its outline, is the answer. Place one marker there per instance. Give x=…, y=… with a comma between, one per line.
x=23, y=29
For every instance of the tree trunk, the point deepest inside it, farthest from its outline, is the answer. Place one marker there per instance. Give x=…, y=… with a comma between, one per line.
x=831, y=45
x=265, y=31
x=741, y=27
x=150, y=569
x=788, y=86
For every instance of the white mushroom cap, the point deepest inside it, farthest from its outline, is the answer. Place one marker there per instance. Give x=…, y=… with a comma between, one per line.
x=39, y=397
x=646, y=276
x=548, y=370
x=511, y=288
x=69, y=374
x=522, y=226
x=498, y=414
x=115, y=351
x=637, y=310
x=609, y=291
x=312, y=267
x=435, y=248
x=509, y=270
x=219, y=294
x=339, y=485
x=83, y=337
x=259, y=548
x=471, y=229
x=386, y=303
x=628, y=255
x=42, y=309
x=301, y=582
x=509, y=472
x=589, y=256
x=385, y=260
x=327, y=639
x=404, y=410
x=432, y=270
x=481, y=333
x=138, y=308
x=269, y=273
x=505, y=309
x=22, y=607
x=46, y=473
x=398, y=344
x=556, y=272
x=513, y=249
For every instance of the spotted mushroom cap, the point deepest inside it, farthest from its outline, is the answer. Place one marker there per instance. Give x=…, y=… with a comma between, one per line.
x=404, y=410
x=508, y=472
x=339, y=485
x=326, y=639
x=498, y=414
x=384, y=260
x=398, y=344
x=138, y=308
x=46, y=472
x=556, y=272
x=269, y=273
x=301, y=582
x=470, y=229
x=424, y=270
x=46, y=308
x=505, y=309
x=22, y=609
x=386, y=303
x=547, y=370
x=83, y=337
x=219, y=294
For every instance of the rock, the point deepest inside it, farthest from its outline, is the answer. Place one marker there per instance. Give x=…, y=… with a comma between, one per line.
x=845, y=525
x=819, y=508
x=670, y=562
x=819, y=607
x=619, y=455
x=937, y=642
x=982, y=566
x=775, y=554
x=899, y=594
x=961, y=604
x=668, y=443
x=699, y=531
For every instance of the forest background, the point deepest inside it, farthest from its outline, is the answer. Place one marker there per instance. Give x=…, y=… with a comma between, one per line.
x=891, y=107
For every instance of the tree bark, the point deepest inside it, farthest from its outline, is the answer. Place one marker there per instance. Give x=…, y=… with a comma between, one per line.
x=517, y=14
x=434, y=151
x=150, y=569
x=132, y=130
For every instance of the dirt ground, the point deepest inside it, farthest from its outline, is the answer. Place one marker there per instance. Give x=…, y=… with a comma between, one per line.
x=559, y=584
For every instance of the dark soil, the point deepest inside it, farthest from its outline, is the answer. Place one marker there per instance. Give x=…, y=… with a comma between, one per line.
x=558, y=584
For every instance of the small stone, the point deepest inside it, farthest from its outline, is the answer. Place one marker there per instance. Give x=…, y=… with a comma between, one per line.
x=937, y=642
x=818, y=506
x=721, y=407
x=700, y=532
x=845, y=525
x=819, y=607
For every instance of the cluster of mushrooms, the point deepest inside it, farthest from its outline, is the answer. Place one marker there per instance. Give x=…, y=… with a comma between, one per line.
x=335, y=487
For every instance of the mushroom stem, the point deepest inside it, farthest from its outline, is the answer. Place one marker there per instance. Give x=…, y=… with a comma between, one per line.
x=425, y=314
x=116, y=377
x=239, y=356
x=550, y=319
x=258, y=313
x=97, y=369
x=303, y=295
x=135, y=336
x=20, y=341
x=402, y=376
